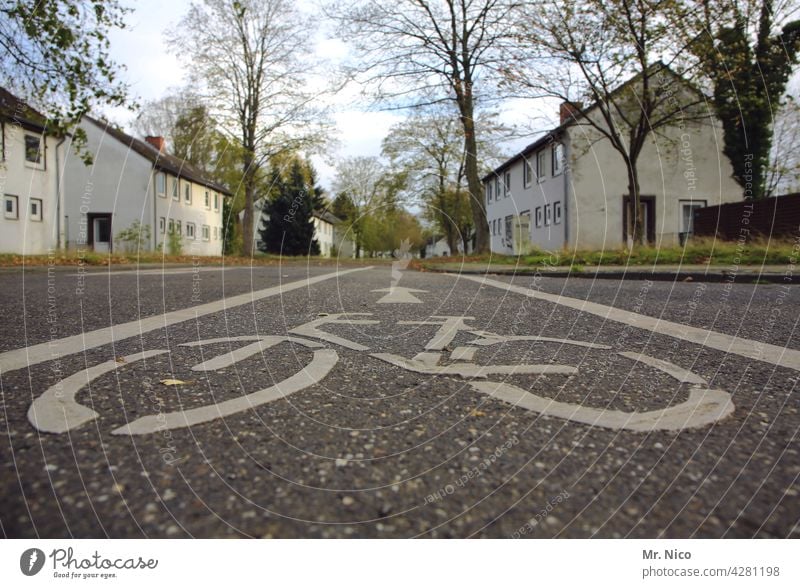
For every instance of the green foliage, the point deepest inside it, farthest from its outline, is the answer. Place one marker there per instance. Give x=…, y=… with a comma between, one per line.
x=749, y=74
x=135, y=238
x=56, y=54
x=231, y=241
x=174, y=243
x=290, y=229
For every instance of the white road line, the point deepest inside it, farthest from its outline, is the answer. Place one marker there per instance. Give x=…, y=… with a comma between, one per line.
x=682, y=375
x=51, y=350
x=780, y=356
x=56, y=411
x=220, y=362
x=702, y=408
x=321, y=364
x=471, y=370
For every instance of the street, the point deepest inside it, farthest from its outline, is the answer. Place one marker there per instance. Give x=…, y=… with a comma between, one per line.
x=356, y=401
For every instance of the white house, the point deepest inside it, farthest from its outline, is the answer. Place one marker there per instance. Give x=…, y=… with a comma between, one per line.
x=569, y=188
x=29, y=180
x=132, y=180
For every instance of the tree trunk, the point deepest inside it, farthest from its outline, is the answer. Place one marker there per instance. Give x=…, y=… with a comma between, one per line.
x=249, y=201
x=636, y=218
x=476, y=200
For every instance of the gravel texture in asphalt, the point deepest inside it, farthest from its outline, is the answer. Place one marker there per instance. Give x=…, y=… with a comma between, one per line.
x=378, y=450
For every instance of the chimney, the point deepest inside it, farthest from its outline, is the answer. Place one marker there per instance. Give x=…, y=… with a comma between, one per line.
x=157, y=142
x=568, y=110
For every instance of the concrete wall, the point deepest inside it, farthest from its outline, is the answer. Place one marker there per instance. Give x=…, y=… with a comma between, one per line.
x=194, y=213
x=28, y=181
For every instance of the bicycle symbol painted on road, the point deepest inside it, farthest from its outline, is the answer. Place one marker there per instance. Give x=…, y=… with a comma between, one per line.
x=57, y=410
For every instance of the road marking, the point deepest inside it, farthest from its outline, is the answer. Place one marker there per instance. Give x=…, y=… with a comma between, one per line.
x=487, y=338
x=228, y=359
x=56, y=411
x=449, y=328
x=682, y=375
x=463, y=353
x=426, y=365
x=780, y=356
x=702, y=408
x=310, y=329
x=51, y=350
x=321, y=364
x=399, y=295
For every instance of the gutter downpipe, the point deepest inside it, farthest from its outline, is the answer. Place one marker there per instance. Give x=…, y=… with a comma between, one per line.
x=567, y=169
x=59, y=195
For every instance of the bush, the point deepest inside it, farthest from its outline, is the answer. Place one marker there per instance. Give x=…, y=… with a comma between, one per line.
x=135, y=238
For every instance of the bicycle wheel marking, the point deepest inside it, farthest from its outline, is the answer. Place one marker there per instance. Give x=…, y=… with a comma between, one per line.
x=57, y=411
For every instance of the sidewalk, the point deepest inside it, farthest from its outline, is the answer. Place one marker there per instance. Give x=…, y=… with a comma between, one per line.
x=773, y=274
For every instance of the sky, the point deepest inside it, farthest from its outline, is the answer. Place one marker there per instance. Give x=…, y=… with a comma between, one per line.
x=152, y=70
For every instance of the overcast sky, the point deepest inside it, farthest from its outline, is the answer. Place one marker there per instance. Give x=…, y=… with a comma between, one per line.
x=152, y=69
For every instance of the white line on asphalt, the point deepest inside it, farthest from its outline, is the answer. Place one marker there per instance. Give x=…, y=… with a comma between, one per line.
x=780, y=356
x=56, y=411
x=51, y=350
x=398, y=295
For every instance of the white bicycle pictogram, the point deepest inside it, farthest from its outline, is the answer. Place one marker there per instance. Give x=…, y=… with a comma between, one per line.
x=57, y=410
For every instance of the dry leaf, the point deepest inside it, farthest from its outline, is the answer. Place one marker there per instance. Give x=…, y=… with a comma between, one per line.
x=171, y=382
x=477, y=413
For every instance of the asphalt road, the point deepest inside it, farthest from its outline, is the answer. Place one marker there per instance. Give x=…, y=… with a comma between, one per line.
x=386, y=429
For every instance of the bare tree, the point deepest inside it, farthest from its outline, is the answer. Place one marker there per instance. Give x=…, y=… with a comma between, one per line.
x=363, y=180
x=602, y=52
x=783, y=172
x=418, y=51
x=252, y=57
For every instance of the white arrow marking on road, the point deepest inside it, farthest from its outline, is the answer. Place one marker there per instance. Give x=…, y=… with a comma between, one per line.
x=399, y=295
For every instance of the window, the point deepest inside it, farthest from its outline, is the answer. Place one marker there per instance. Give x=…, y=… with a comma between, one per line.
x=216, y=201
x=215, y=233
x=187, y=193
x=190, y=230
x=557, y=213
x=558, y=158
x=538, y=216
x=548, y=215
x=175, y=195
x=494, y=227
x=208, y=201
x=10, y=209
x=36, y=209
x=497, y=188
x=687, y=214
x=33, y=149
x=171, y=226
x=488, y=192
x=507, y=184
x=206, y=233
x=162, y=224
x=527, y=172
x=541, y=159
x=178, y=228
x=509, y=229
x=161, y=185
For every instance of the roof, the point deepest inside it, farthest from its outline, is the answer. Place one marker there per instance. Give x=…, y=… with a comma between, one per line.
x=16, y=110
x=161, y=161
x=327, y=217
x=556, y=132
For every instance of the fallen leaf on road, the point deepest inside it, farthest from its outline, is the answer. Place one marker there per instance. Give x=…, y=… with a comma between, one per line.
x=120, y=360
x=477, y=413
x=170, y=382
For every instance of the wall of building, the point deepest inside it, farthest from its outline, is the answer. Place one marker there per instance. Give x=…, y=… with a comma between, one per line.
x=544, y=193
x=686, y=164
x=122, y=182
x=323, y=233
x=23, y=232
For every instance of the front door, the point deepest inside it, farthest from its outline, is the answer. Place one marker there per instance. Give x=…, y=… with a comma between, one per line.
x=647, y=210
x=100, y=232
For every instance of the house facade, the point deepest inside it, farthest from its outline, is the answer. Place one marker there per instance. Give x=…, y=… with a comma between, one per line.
x=29, y=180
x=134, y=181
x=569, y=188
